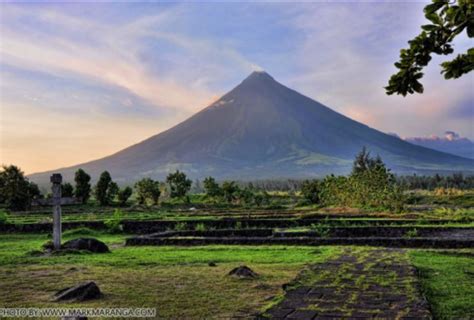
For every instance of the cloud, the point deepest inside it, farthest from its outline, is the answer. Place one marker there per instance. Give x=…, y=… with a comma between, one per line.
x=112, y=54
x=346, y=58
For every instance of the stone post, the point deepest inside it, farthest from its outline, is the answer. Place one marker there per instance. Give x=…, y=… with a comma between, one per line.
x=56, y=180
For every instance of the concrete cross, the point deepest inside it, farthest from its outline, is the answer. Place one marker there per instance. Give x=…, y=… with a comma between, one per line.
x=56, y=180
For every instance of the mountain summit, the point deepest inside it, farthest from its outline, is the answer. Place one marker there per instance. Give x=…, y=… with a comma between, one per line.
x=262, y=129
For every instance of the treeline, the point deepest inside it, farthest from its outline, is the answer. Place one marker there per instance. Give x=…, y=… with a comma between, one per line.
x=456, y=181
x=411, y=182
x=370, y=184
x=17, y=192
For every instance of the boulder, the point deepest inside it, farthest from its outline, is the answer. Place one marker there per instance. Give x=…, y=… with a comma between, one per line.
x=84, y=291
x=212, y=264
x=243, y=272
x=89, y=244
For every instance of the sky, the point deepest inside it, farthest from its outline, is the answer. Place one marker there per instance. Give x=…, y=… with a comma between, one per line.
x=80, y=81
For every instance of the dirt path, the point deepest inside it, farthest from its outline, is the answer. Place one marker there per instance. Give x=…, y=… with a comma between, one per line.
x=362, y=283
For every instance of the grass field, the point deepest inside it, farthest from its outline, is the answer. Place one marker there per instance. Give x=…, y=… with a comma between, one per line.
x=179, y=282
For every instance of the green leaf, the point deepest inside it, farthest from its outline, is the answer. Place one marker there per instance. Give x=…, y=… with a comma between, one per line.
x=430, y=27
x=431, y=8
x=433, y=17
x=470, y=30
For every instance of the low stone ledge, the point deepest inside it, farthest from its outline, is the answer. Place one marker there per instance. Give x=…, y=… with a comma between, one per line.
x=304, y=241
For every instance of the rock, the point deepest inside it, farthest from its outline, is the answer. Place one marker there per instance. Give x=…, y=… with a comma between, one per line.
x=243, y=272
x=212, y=264
x=90, y=244
x=84, y=291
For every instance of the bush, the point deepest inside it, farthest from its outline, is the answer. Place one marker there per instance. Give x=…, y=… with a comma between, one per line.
x=200, y=227
x=3, y=217
x=311, y=191
x=370, y=185
x=113, y=224
x=180, y=226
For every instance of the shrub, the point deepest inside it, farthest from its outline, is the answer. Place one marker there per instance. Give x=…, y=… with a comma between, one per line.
x=200, y=227
x=411, y=233
x=3, y=217
x=321, y=229
x=311, y=191
x=180, y=226
x=113, y=224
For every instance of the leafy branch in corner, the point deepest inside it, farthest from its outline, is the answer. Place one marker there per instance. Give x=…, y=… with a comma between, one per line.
x=448, y=19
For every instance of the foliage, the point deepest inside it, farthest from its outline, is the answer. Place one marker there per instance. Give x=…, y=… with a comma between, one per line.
x=3, y=217
x=67, y=190
x=112, y=191
x=447, y=21
x=200, y=227
x=411, y=233
x=179, y=184
x=16, y=192
x=211, y=187
x=180, y=226
x=456, y=180
x=124, y=194
x=83, y=186
x=230, y=190
x=311, y=191
x=245, y=196
x=321, y=229
x=370, y=185
x=148, y=189
x=113, y=224
x=105, y=189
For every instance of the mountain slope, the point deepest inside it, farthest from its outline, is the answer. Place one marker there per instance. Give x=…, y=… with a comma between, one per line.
x=262, y=129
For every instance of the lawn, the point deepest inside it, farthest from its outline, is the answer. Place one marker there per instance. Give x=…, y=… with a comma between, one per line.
x=177, y=281
x=447, y=279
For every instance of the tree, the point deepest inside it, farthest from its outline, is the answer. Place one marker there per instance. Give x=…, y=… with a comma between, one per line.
x=83, y=186
x=112, y=191
x=230, y=190
x=123, y=195
x=179, y=184
x=148, y=189
x=448, y=20
x=363, y=162
x=15, y=190
x=212, y=187
x=67, y=190
x=105, y=189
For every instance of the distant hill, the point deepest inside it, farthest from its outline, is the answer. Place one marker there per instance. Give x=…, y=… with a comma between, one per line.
x=450, y=143
x=262, y=129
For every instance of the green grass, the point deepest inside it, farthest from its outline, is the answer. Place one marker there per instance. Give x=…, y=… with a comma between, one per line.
x=447, y=281
x=175, y=280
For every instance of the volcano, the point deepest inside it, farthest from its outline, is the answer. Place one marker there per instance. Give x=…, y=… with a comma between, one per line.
x=262, y=129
